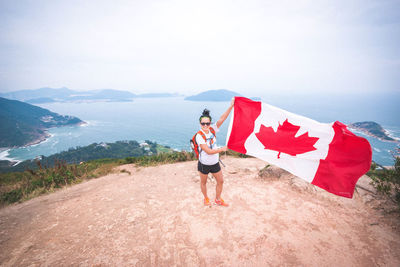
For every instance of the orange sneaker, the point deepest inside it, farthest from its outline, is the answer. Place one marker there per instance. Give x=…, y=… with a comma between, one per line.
x=221, y=202
x=207, y=202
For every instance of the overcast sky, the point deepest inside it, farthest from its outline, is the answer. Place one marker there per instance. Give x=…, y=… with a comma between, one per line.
x=190, y=46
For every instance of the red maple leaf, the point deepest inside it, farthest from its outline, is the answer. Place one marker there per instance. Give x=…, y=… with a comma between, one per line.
x=284, y=140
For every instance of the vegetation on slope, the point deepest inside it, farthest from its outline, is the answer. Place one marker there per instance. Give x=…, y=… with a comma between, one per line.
x=387, y=180
x=22, y=123
x=116, y=150
x=20, y=186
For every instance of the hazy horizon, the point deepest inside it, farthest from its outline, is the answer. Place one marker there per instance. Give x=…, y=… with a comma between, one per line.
x=186, y=47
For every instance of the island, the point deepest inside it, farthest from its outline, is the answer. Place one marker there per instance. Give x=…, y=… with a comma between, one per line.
x=213, y=95
x=372, y=129
x=23, y=124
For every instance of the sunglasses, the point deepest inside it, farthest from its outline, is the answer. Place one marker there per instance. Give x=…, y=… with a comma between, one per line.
x=205, y=123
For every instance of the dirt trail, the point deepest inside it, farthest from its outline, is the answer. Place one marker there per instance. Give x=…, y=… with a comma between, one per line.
x=155, y=217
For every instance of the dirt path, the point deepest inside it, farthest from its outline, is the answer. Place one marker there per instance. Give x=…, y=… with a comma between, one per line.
x=155, y=217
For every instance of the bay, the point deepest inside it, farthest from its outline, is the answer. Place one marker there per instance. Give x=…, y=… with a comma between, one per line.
x=167, y=121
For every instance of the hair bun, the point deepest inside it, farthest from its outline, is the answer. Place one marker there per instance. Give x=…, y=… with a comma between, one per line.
x=206, y=113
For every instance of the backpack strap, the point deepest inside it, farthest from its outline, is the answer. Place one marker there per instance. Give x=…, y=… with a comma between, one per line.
x=198, y=152
x=205, y=139
x=202, y=135
x=212, y=131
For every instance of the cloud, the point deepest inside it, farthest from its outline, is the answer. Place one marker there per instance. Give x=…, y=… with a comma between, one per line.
x=148, y=46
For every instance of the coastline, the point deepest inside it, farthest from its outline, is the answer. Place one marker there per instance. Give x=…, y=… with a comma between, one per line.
x=375, y=136
x=39, y=140
x=392, y=135
x=47, y=135
x=4, y=151
x=4, y=156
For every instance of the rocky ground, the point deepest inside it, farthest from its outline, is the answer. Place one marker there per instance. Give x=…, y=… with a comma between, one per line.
x=154, y=216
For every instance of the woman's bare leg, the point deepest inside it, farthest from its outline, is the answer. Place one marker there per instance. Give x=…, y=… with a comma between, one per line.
x=203, y=184
x=220, y=182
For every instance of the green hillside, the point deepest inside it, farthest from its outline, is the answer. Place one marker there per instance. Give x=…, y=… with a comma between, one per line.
x=22, y=123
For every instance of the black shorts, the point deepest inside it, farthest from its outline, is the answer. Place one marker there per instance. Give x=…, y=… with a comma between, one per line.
x=206, y=169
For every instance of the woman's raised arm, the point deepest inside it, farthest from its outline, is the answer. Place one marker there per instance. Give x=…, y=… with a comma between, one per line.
x=225, y=114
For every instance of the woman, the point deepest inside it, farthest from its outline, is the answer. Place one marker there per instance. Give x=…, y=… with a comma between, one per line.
x=209, y=154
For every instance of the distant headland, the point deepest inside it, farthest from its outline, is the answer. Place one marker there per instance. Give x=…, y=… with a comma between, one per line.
x=372, y=129
x=22, y=124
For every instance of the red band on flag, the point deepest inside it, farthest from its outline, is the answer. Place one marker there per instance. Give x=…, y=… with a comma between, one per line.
x=246, y=112
x=349, y=157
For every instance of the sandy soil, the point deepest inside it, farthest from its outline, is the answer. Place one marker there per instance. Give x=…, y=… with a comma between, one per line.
x=155, y=216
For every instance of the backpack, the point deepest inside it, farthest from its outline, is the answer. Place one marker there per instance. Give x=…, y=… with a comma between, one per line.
x=193, y=144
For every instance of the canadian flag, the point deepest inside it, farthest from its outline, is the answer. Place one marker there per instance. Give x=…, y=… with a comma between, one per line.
x=327, y=155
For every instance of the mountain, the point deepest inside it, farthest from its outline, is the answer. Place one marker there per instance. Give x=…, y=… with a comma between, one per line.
x=55, y=94
x=48, y=95
x=213, y=95
x=22, y=124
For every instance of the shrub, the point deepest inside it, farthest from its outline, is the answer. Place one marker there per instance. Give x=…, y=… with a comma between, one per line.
x=387, y=181
x=160, y=158
x=12, y=196
x=17, y=186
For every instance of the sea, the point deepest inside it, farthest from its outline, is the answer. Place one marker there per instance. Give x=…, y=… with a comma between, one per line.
x=173, y=121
